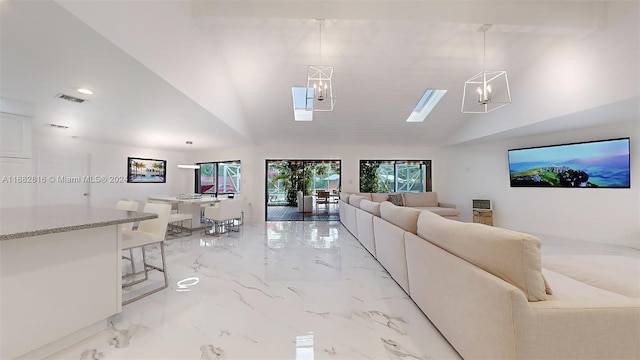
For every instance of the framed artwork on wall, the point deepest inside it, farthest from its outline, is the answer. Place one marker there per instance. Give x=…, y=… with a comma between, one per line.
x=141, y=170
x=591, y=164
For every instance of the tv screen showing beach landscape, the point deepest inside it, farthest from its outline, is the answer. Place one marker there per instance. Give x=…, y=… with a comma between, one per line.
x=146, y=170
x=601, y=164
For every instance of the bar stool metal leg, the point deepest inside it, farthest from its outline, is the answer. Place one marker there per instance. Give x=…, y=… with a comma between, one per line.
x=147, y=268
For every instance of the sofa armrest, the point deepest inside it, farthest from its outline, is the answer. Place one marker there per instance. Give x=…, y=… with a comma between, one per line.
x=447, y=205
x=463, y=301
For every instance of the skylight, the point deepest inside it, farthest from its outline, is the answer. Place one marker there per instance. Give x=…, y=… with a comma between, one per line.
x=300, y=111
x=426, y=103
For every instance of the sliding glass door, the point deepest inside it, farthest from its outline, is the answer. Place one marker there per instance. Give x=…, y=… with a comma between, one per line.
x=302, y=189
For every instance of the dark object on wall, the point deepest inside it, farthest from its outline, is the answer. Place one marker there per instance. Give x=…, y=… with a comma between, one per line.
x=141, y=170
x=602, y=163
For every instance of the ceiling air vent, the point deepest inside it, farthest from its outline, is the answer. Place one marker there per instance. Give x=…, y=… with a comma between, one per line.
x=56, y=126
x=70, y=98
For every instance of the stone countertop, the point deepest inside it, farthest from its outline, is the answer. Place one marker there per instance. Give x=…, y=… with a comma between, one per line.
x=21, y=222
x=175, y=199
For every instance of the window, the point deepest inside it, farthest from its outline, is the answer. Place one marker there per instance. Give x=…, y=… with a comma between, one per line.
x=382, y=176
x=207, y=183
x=427, y=102
x=301, y=110
x=222, y=177
x=229, y=177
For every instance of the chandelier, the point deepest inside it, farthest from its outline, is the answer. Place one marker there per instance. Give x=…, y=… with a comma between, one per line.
x=487, y=90
x=321, y=91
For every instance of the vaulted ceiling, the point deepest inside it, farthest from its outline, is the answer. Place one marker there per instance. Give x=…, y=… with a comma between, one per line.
x=219, y=73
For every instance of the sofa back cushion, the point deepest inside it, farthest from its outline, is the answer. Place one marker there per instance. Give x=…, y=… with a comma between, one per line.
x=370, y=207
x=402, y=217
x=512, y=256
x=355, y=200
x=424, y=199
x=379, y=197
x=345, y=197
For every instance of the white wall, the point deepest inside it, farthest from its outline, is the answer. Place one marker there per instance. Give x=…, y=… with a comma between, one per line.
x=111, y=160
x=15, y=158
x=572, y=76
x=460, y=174
x=253, y=165
x=609, y=216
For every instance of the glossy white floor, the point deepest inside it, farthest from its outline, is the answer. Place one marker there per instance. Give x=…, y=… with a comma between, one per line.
x=280, y=290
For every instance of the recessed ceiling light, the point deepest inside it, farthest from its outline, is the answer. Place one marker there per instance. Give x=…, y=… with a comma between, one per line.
x=85, y=91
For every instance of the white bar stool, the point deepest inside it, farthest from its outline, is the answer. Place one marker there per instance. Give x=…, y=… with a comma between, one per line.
x=149, y=232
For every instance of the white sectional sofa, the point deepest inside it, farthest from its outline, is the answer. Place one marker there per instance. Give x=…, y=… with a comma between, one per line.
x=421, y=201
x=485, y=289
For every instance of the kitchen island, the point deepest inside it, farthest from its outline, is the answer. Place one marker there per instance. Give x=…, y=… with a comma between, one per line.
x=60, y=275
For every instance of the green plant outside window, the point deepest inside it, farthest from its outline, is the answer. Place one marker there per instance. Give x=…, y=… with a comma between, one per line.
x=382, y=176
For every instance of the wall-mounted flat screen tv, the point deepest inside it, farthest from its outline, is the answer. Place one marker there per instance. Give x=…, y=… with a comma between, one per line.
x=141, y=170
x=602, y=164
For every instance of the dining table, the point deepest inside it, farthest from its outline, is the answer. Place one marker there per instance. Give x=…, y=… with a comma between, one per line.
x=190, y=204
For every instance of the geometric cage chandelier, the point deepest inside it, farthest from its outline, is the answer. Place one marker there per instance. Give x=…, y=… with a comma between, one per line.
x=321, y=91
x=487, y=90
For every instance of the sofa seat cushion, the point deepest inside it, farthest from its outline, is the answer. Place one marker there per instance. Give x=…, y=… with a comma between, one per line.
x=423, y=199
x=571, y=290
x=402, y=217
x=370, y=207
x=439, y=210
x=615, y=273
x=512, y=256
x=578, y=321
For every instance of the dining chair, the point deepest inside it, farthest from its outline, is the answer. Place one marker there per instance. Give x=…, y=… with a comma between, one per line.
x=240, y=220
x=176, y=226
x=236, y=213
x=223, y=216
x=149, y=232
x=212, y=214
x=322, y=198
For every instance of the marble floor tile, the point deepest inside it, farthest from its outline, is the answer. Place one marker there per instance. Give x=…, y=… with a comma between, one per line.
x=275, y=290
